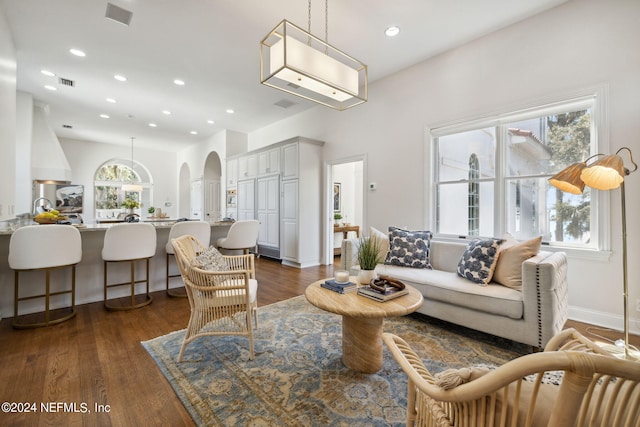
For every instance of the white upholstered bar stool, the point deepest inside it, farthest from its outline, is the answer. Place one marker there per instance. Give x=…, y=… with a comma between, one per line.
x=201, y=230
x=45, y=248
x=242, y=235
x=128, y=242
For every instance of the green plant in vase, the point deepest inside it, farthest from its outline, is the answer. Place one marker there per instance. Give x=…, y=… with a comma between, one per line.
x=337, y=217
x=130, y=204
x=368, y=258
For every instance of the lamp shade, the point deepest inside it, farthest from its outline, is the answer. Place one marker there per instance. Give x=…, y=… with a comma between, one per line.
x=132, y=187
x=606, y=173
x=297, y=62
x=568, y=179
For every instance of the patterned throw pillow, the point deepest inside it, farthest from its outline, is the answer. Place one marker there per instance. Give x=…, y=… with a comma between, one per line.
x=210, y=259
x=408, y=248
x=479, y=260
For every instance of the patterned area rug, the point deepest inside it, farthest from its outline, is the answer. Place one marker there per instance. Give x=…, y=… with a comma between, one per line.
x=297, y=377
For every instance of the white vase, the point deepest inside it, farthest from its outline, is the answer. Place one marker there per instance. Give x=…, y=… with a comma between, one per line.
x=365, y=276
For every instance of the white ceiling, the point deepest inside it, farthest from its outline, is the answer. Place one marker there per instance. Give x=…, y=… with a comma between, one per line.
x=213, y=45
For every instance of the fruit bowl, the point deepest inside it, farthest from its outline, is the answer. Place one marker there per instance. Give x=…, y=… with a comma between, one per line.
x=50, y=220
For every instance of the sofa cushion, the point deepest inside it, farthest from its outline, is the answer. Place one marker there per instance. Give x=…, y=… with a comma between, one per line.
x=508, y=271
x=448, y=287
x=381, y=240
x=479, y=260
x=408, y=248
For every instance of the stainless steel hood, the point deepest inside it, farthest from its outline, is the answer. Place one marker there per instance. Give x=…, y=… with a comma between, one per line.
x=48, y=162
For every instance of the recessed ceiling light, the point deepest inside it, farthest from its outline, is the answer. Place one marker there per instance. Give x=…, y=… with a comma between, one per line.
x=77, y=52
x=104, y=116
x=111, y=100
x=49, y=87
x=47, y=73
x=392, y=31
x=166, y=112
x=230, y=110
x=193, y=132
x=211, y=122
x=179, y=82
x=153, y=125
x=120, y=78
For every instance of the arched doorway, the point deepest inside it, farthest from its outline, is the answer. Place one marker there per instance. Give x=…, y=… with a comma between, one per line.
x=211, y=186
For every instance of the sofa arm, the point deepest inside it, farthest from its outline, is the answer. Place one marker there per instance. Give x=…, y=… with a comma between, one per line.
x=545, y=294
x=349, y=254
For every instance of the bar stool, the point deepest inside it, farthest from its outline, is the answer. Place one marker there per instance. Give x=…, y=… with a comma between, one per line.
x=242, y=235
x=201, y=230
x=46, y=248
x=129, y=242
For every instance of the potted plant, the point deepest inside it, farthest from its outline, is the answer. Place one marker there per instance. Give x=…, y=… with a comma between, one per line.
x=368, y=258
x=337, y=217
x=130, y=204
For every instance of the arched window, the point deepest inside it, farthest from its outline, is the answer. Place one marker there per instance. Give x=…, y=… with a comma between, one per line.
x=108, y=182
x=473, y=199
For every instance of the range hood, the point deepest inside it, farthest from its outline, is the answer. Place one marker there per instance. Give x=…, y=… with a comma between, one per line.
x=48, y=162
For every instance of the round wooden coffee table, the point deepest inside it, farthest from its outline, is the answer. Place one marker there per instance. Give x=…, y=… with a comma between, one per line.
x=362, y=320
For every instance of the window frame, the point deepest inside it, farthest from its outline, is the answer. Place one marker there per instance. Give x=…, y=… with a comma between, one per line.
x=595, y=98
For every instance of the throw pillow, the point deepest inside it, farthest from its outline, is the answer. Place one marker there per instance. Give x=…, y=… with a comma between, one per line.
x=381, y=240
x=210, y=259
x=508, y=270
x=408, y=248
x=479, y=260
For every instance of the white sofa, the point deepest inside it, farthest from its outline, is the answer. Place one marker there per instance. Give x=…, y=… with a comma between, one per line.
x=531, y=316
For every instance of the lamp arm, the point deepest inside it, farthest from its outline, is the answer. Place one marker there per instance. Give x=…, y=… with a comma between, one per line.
x=635, y=165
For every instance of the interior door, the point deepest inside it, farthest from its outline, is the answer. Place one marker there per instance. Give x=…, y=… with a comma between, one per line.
x=212, y=209
x=196, y=199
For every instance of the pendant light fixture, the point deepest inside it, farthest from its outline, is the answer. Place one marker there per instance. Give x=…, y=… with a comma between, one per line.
x=132, y=185
x=295, y=61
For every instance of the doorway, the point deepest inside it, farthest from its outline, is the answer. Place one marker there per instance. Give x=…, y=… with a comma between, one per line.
x=345, y=198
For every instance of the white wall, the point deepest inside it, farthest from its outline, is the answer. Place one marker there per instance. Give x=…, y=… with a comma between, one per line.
x=578, y=45
x=85, y=157
x=7, y=121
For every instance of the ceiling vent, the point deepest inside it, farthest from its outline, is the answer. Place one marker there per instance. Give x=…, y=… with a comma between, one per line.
x=67, y=126
x=118, y=14
x=66, y=82
x=293, y=85
x=285, y=103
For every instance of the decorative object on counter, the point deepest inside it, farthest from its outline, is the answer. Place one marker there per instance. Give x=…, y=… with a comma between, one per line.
x=69, y=198
x=157, y=213
x=130, y=205
x=50, y=217
x=151, y=210
x=368, y=258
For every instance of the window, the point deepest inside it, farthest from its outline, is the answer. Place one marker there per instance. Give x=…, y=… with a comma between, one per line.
x=108, y=182
x=501, y=167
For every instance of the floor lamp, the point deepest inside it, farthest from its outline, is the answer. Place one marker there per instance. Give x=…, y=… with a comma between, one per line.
x=606, y=173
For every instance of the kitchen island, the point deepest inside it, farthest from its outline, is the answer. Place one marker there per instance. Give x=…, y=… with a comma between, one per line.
x=89, y=272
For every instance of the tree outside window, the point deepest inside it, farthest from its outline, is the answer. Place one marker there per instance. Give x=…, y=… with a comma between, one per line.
x=108, y=188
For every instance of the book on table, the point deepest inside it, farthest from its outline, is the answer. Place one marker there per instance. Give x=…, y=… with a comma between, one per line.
x=342, y=288
x=389, y=294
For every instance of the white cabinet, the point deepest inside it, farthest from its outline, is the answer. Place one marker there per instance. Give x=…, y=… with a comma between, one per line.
x=301, y=202
x=289, y=249
x=247, y=166
x=246, y=199
x=232, y=172
x=196, y=199
x=290, y=161
x=269, y=161
x=268, y=210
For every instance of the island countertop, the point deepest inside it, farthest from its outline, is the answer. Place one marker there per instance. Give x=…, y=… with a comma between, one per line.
x=89, y=272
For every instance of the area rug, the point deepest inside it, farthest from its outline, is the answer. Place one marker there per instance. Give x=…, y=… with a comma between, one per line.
x=297, y=377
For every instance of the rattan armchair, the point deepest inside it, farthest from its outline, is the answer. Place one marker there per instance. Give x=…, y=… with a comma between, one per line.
x=222, y=302
x=592, y=388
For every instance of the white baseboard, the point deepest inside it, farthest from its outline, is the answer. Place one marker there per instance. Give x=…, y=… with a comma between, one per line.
x=606, y=320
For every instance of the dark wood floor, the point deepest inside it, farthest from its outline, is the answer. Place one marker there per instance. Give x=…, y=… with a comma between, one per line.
x=96, y=359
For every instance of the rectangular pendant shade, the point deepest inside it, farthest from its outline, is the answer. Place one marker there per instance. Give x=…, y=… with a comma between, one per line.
x=297, y=62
